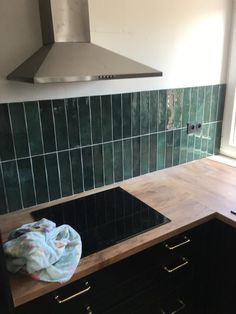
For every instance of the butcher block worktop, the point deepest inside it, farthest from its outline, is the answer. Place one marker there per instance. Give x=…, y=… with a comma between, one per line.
x=188, y=195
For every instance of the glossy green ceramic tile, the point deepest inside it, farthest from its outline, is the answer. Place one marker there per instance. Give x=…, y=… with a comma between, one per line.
x=6, y=142
x=72, y=115
x=176, y=148
x=197, y=147
x=205, y=132
x=161, y=114
x=106, y=118
x=47, y=126
x=207, y=108
x=12, y=185
x=183, y=146
x=116, y=117
x=153, y=110
x=144, y=154
x=200, y=104
x=190, y=148
x=126, y=100
x=53, y=176
x=211, y=138
x=221, y=102
x=135, y=114
x=214, y=103
x=118, y=161
x=170, y=114
x=98, y=165
x=193, y=104
x=136, y=156
x=34, y=129
x=178, y=107
x=169, y=149
x=95, y=104
x=108, y=163
x=3, y=204
x=218, y=137
x=76, y=168
x=65, y=173
x=144, y=112
x=19, y=129
x=26, y=182
x=161, y=150
x=127, y=161
x=88, y=168
x=186, y=106
x=40, y=179
x=153, y=152
x=60, y=124
x=84, y=121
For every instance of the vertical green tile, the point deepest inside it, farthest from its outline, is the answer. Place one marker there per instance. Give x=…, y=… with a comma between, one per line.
x=176, y=148
x=34, y=129
x=12, y=185
x=95, y=103
x=26, y=182
x=60, y=124
x=153, y=152
x=186, y=107
x=144, y=154
x=207, y=108
x=205, y=132
x=136, y=156
x=190, y=149
x=77, y=175
x=40, y=179
x=178, y=107
x=106, y=118
x=161, y=149
x=126, y=100
x=218, y=137
x=135, y=114
x=53, y=176
x=169, y=149
x=118, y=161
x=161, y=114
x=144, y=112
x=221, y=102
x=19, y=129
x=116, y=117
x=154, y=100
x=6, y=142
x=127, y=162
x=197, y=147
x=214, y=103
x=3, y=204
x=87, y=168
x=98, y=165
x=183, y=146
x=200, y=104
x=108, y=162
x=84, y=121
x=65, y=173
x=211, y=138
x=73, y=122
x=170, y=109
x=47, y=126
x=193, y=104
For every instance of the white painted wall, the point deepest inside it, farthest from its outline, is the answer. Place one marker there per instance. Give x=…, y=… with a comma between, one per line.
x=186, y=39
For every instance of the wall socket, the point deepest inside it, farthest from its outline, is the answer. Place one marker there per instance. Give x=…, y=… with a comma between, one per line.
x=194, y=127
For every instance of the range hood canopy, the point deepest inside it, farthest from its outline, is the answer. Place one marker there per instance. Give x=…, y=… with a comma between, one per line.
x=68, y=55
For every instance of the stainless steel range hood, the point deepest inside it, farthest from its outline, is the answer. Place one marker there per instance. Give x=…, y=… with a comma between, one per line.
x=68, y=55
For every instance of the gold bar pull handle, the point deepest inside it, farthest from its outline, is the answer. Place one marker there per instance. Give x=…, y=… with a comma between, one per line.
x=171, y=270
x=89, y=310
x=60, y=301
x=182, y=306
x=169, y=247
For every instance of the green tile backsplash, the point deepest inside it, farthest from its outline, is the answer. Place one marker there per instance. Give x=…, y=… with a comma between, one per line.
x=55, y=148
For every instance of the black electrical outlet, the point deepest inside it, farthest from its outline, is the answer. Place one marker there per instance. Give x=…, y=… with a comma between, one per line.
x=198, y=126
x=191, y=128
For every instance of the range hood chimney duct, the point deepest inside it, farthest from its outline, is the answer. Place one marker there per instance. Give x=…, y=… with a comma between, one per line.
x=68, y=55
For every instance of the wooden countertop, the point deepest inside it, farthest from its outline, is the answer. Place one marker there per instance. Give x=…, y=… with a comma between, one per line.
x=188, y=194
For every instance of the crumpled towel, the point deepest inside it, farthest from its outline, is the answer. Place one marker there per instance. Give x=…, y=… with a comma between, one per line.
x=45, y=252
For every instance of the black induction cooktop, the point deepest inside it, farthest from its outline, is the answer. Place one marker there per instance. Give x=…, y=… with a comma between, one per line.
x=104, y=218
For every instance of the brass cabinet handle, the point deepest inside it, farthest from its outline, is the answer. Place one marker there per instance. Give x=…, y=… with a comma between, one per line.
x=171, y=270
x=169, y=247
x=89, y=310
x=60, y=301
x=182, y=306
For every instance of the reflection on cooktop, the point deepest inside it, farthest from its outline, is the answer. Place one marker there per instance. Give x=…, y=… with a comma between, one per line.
x=104, y=219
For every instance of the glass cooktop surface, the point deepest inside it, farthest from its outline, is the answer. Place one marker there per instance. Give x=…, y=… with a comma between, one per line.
x=105, y=218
